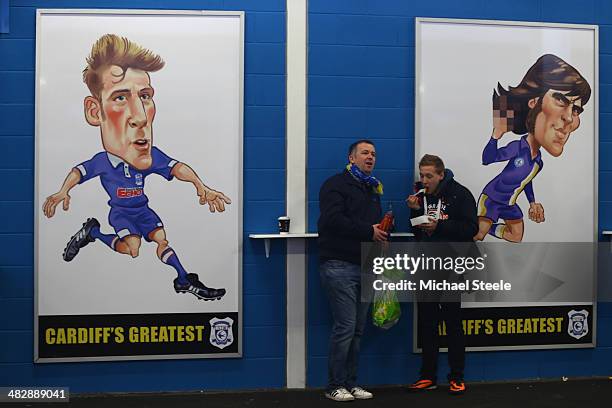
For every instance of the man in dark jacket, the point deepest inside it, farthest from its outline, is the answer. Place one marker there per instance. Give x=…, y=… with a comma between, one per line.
x=350, y=214
x=452, y=213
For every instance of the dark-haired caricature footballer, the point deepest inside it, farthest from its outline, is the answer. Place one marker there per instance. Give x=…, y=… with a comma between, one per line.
x=545, y=108
x=121, y=105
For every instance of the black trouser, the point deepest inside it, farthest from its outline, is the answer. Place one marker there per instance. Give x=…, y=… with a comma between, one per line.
x=429, y=314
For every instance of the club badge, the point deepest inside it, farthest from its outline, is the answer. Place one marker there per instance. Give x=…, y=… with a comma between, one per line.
x=221, y=334
x=578, y=324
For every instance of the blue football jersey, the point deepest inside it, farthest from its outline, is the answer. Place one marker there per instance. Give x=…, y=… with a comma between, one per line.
x=123, y=183
x=518, y=173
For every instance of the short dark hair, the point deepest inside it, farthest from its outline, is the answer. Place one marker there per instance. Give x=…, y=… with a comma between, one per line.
x=431, y=160
x=353, y=146
x=548, y=72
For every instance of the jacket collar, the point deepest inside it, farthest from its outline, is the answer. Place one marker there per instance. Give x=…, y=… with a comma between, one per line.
x=353, y=180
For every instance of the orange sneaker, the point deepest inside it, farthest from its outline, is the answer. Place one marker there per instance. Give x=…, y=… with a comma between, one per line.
x=423, y=385
x=456, y=387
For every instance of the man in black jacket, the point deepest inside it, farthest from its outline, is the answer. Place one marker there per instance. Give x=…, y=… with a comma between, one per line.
x=350, y=214
x=452, y=212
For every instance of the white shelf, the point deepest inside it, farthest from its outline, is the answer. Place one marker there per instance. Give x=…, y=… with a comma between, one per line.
x=268, y=237
x=290, y=235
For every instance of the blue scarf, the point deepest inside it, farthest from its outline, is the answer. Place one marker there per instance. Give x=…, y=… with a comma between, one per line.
x=359, y=175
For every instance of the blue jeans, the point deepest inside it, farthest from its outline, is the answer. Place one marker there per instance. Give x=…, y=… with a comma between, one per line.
x=342, y=283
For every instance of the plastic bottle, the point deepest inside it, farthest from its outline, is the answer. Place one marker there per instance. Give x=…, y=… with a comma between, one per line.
x=387, y=222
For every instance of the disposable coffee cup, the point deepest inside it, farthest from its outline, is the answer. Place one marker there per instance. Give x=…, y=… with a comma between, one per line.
x=283, y=224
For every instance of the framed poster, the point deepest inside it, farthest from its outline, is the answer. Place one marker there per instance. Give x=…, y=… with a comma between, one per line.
x=512, y=109
x=138, y=210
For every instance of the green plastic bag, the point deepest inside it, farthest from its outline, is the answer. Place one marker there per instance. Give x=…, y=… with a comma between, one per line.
x=386, y=309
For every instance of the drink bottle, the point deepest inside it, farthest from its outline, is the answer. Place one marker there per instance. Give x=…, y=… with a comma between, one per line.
x=387, y=222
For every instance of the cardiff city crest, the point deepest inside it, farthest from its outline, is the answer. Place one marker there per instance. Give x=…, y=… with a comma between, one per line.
x=221, y=334
x=578, y=324
x=519, y=162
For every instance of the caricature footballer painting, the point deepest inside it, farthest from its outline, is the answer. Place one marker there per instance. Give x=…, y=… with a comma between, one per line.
x=146, y=218
x=512, y=109
x=121, y=105
x=545, y=110
x=518, y=123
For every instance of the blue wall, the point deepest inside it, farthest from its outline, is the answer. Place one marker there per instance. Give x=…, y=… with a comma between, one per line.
x=361, y=67
x=263, y=364
x=361, y=85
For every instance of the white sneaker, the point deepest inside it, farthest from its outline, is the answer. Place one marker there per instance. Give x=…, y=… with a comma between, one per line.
x=340, y=394
x=360, y=393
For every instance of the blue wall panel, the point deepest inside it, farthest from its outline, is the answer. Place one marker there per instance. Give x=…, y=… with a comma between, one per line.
x=264, y=200
x=17, y=152
x=22, y=22
x=557, y=10
x=16, y=216
x=17, y=347
x=605, y=127
x=266, y=27
x=360, y=61
x=16, y=313
x=17, y=120
x=605, y=98
x=264, y=121
x=339, y=122
x=17, y=282
x=17, y=87
x=21, y=52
